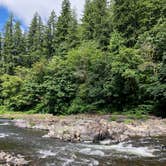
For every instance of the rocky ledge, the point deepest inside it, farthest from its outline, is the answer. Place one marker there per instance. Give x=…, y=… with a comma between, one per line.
x=7, y=159
x=95, y=128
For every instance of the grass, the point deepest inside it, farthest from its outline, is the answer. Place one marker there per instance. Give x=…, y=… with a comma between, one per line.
x=113, y=118
x=128, y=121
x=5, y=113
x=128, y=116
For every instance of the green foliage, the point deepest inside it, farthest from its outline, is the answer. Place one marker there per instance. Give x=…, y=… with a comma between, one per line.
x=95, y=23
x=116, y=42
x=49, y=36
x=35, y=35
x=9, y=87
x=153, y=42
x=134, y=17
x=66, y=30
x=158, y=90
x=60, y=88
x=125, y=79
x=112, y=61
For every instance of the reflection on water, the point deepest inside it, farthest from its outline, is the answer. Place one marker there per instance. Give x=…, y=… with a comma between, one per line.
x=46, y=151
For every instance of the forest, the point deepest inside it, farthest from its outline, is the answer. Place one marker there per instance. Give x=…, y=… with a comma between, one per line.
x=111, y=60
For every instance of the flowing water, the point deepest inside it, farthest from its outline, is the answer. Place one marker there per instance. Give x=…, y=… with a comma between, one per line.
x=41, y=151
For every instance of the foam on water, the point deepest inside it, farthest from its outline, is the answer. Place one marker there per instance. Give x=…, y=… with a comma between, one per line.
x=122, y=147
x=46, y=136
x=139, y=151
x=67, y=162
x=89, y=151
x=4, y=124
x=46, y=153
x=3, y=135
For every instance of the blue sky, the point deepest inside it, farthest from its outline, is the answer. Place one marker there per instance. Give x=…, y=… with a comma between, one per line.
x=23, y=10
x=3, y=16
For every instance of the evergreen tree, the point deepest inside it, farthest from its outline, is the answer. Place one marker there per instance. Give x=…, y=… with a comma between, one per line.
x=87, y=21
x=35, y=35
x=96, y=23
x=8, y=46
x=1, y=56
x=62, y=27
x=0, y=46
x=125, y=19
x=8, y=36
x=72, y=39
x=38, y=38
x=149, y=12
x=32, y=32
x=49, y=35
x=102, y=26
x=19, y=46
x=133, y=17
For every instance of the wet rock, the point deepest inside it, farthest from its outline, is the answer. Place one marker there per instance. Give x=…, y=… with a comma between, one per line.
x=105, y=142
x=9, y=159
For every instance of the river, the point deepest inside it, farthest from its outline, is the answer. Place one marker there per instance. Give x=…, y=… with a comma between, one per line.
x=41, y=151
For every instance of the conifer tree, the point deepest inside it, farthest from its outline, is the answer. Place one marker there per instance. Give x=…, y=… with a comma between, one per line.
x=49, y=35
x=133, y=17
x=32, y=32
x=18, y=40
x=8, y=36
x=8, y=46
x=96, y=23
x=62, y=27
x=126, y=19
x=38, y=39
x=0, y=46
x=72, y=39
x=102, y=26
x=35, y=35
x=1, y=56
x=87, y=21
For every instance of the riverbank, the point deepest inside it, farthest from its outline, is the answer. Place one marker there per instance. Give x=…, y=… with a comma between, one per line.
x=105, y=129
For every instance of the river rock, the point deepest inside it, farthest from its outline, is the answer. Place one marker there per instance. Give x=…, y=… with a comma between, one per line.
x=13, y=160
x=94, y=128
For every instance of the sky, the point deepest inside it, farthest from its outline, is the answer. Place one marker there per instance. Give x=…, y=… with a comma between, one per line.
x=23, y=10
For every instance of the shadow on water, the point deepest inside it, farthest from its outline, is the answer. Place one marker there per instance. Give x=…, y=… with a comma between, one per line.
x=47, y=151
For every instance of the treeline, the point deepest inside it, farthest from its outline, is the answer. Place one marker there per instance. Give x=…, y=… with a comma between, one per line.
x=114, y=59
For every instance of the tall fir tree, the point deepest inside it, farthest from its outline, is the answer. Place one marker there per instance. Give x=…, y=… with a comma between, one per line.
x=133, y=17
x=149, y=12
x=8, y=36
x=32, y=32
x=102, y=25
x=125, y=19
x=50, y=36
x=87, y=21
x=96, y=24
x=62, y=28
x=35, y=35
x=38, y=38
x=0, y=46
x=19, y=46
x=1, y=57
x=72, y=38
x=8, y=46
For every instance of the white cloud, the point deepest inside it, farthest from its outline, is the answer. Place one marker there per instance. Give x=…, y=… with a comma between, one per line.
x=24, y=9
